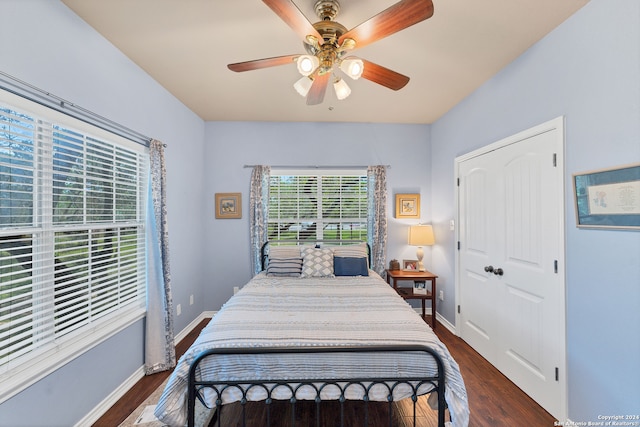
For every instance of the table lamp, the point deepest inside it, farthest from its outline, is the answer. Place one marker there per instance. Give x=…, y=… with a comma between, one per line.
x=421, y=235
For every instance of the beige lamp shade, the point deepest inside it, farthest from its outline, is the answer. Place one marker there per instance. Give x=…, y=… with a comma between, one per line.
x=421, y=235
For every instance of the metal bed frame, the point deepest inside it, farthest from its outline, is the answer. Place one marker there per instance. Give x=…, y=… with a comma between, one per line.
x=268, y=387
x=196, y=386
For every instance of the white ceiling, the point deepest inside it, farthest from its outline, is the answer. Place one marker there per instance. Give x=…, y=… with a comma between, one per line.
x=186, y=45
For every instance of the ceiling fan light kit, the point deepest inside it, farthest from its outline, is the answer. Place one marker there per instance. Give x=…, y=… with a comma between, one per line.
x=303, y=85
x=307, y=64
x=327, y=43
x=352, y=67
x=342, y=89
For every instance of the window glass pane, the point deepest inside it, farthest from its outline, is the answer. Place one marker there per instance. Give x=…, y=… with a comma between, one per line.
x=97, y=271
x=126, y=179
x=16, y=168
x=100, y=181
x=79, y=255
x=345, y=231
x=131, y=264
x=68, y=176
x=323, y=206
x=72, y=275
x=110, y=175
x=16, y=296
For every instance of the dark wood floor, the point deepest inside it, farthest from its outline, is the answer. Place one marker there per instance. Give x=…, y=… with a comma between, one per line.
x=493, y=399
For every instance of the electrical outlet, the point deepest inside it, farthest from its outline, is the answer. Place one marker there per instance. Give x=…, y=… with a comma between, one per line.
x=441, y=296
x=191, y=299
x=236, y=289
x=452, y=225
x=178, y=310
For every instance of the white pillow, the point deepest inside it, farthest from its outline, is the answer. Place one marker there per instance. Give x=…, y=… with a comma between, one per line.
x=317, y=262
x=351, y=251
x=284, y=252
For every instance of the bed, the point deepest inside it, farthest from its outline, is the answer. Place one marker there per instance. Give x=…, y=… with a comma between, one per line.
x=333, y=332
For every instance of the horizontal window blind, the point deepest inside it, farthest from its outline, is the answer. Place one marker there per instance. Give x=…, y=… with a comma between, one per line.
x=314, y=205
x=72, y=232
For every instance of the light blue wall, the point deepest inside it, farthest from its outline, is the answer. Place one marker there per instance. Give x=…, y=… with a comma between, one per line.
x=48, y=46
x=587, y=70
x=231, y=145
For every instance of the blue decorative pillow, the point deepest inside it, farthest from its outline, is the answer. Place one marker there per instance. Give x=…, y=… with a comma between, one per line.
x=344, y=266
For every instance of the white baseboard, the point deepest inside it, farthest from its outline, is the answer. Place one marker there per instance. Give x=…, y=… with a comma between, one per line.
x=444, y=322
x=183, y=333
x=123, y=388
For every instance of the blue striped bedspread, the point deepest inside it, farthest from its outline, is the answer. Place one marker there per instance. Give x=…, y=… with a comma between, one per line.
x=339, y=311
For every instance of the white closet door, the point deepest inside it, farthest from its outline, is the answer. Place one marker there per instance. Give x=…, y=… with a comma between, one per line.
x=511, y=286
x=478, y=290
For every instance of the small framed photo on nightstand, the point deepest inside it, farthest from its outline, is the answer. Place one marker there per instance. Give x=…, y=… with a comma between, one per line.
x=419, y=288
x=410, y=264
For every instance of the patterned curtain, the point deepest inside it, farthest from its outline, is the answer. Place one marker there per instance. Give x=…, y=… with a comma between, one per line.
x=160, y=353
x=377, y=216
x=258, y=212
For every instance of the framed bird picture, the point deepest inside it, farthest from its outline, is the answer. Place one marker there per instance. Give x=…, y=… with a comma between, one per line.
x=407, y=206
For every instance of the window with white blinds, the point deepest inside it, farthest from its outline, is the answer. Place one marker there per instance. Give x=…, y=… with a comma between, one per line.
x=318, y=205
x=72, y=237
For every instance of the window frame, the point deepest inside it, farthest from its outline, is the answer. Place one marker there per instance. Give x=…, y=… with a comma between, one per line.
x=320, y=220
x=19, y=373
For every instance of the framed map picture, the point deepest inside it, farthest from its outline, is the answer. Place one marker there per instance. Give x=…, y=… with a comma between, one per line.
x=608, y=198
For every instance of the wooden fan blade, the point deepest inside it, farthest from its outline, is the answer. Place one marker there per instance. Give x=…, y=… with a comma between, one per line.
x=318, y=89
x=291, y=15
x=262, y=63
x=401, y=15
x=383, y=76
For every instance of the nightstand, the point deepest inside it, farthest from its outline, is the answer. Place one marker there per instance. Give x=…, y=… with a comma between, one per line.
x=393, y=276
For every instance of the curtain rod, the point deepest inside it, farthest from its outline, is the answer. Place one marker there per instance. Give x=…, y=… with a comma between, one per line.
x=42, y=97
x=315, y=167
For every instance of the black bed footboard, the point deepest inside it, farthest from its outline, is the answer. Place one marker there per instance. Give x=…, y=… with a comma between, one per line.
x=267, y=388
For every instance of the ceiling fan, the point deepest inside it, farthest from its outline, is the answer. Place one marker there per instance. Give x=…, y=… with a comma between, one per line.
x=328, y=43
